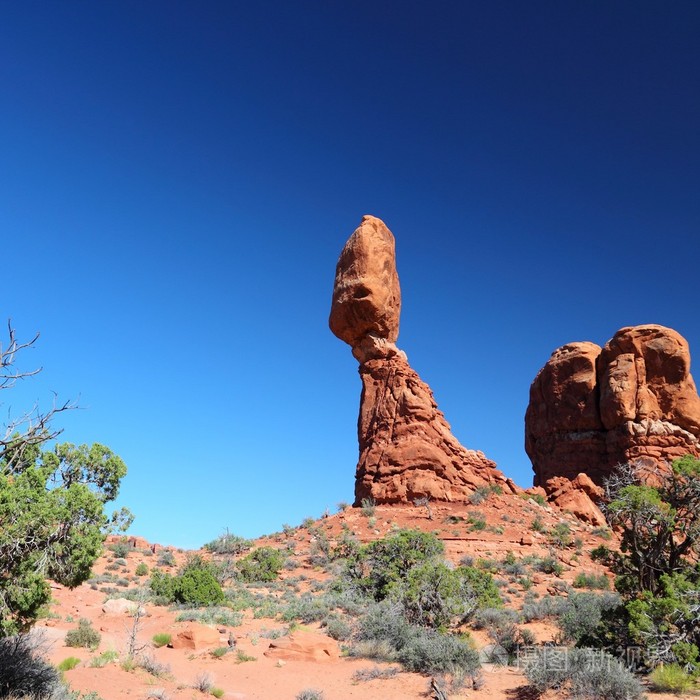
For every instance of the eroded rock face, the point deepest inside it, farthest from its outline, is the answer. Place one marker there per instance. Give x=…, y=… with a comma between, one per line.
x=593, y=408
x=407, y=450
x=366, y=293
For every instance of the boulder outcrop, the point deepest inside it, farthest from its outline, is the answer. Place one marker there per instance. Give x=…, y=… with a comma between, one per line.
x=593, y=408
x=407, y=450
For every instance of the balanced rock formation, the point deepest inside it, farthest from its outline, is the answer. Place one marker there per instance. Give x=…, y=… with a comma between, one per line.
x=407, y=450
x=593, y=408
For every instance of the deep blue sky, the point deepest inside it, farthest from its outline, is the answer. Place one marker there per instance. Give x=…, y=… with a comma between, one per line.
x=177, y=180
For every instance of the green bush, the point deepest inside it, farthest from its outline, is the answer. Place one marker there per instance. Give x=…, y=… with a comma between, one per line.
x=68, y=664
x=671, y=678
x=336, y=627
x=597, y=582
x=106, y=657
x=197, y=587
x=560, y=534
x=432, y=595
x=263, y=564
x=379, y=565
x=162, y=586
x=141, y=569
x=84, y=636
x=161, y=639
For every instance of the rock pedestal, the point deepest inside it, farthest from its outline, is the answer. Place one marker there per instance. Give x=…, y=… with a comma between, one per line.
x=407, y=450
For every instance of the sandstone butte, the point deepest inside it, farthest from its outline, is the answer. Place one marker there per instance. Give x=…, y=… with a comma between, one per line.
x=593, y=408
x=407, y=450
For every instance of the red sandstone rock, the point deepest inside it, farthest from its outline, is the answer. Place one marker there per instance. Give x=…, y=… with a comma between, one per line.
x=304, y=646
x=578, y=497
x=196, y=637
x=407, y=450
x=592, y=409
x=366, y=293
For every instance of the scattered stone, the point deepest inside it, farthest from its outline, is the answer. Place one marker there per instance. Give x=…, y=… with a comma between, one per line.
x=121, y=606
x=304, y=646
x=196, y=637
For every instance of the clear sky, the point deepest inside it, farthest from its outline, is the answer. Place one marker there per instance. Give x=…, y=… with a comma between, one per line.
x=177, y=180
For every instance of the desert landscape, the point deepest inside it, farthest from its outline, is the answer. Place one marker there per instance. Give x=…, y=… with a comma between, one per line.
x=347, y=350
x=444, y=579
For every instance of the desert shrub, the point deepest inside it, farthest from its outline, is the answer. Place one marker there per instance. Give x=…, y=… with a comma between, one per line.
x=307, y=608
x=537, y=525
x=597, y=582
x=85, y=635
x=220, y=652
x=483, y=586
x=161, y=639
x=369, y=507
x=490, y=617
x=242, y=657
x=379, y=565
x=196, y=586
x=106, y=657
x=582, y=613
x=309, y=694
x=548, y=565
x=162, y=586
x=585, y=674
x=229, y=544
x=671, y=678
x=501, y=626
x=549, y=606
x=263, y=564
x=68, y=664
x=560, y=534
x=22, y=670
x=479, y=495
x=384, y=633
x=155, y=668
x=141, y=569
x=666, y=624
x=166, y=558
x=121, y=549
x=433, y=595
x=212, y=616
x=374, y=673
x=203, y=683
x=336, y=627
x=428, y=651
x=217, y=692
